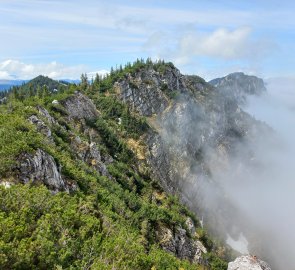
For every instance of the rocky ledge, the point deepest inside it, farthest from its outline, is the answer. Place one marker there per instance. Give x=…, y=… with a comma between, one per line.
x=40, y=167
x=79, y=106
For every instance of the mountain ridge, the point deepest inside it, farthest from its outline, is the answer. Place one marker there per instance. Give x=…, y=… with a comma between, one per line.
x=115, y=142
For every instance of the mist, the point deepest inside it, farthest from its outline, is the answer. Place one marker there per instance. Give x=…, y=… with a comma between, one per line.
x=266, y=193
x=243, y=187
x=262, y=189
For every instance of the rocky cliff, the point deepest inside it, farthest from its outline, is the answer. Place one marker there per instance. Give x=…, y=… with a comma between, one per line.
x=199, y=133
x=196, y=128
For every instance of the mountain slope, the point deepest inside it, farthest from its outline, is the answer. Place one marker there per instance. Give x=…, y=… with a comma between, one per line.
x=88, y=200
x=108, y=167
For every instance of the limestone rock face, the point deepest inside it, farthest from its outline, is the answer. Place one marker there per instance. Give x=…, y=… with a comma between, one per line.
x=90, y=154
x=158, y=159
x=148, y=90
x=201, y=118
x=190, y=225
x=41, y=168
x=248, y=262
x=79, y=107
x=179, y=243
x=95, y=159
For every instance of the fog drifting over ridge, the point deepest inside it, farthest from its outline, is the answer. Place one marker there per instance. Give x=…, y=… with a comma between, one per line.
x=265, y=193
x=247, y=196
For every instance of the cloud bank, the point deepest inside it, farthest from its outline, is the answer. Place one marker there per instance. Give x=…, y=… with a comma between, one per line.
x=261, y=186
x=14, y=69
x=265, y=193
x=191, y=46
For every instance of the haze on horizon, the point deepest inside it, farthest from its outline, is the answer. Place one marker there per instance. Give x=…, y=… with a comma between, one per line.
x=62, y=39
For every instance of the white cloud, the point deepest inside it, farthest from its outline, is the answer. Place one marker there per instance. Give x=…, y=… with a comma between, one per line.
x=15, y=69
x=4, y=75
x=188, y=47
x=223, y=44
x=92, y=74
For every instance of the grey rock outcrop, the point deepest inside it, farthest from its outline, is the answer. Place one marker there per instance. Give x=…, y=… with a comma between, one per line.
x=248, y=262
x=80, y=107
x=148, y=90
x=41, y=126
x=179, y=243
x=3, y=100
x=158, y=158
x=44, y=113
x=190, y=226
x=90, y=154
x=94, y=158
x=40, y=168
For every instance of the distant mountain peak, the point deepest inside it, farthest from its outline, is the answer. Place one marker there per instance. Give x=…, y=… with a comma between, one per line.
x=42, y=80
x=238, y=86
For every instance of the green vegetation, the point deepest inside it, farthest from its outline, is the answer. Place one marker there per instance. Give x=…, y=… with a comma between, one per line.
x=41, y=87
x=113, y=110
x=16, y=134
x=108, y=223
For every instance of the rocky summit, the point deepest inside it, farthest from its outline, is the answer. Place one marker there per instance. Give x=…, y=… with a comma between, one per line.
x=238, y=86
x=111, y=174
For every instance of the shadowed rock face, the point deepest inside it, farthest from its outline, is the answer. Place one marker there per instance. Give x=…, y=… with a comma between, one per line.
x=40, y=168
x=248, y=262
x=79, y=106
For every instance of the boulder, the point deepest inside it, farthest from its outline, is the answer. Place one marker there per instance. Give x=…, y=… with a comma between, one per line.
x=79, y=107
x=248, y=262
x=40, y=167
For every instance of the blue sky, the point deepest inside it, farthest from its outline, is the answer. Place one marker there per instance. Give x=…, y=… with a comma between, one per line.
x=62, y=38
